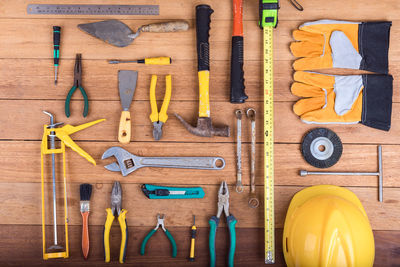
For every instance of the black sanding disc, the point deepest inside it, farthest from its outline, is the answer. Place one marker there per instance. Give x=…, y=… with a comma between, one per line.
x=321, y=148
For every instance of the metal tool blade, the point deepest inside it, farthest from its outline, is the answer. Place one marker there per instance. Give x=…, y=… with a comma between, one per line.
x=127, y=84
x=112, y=31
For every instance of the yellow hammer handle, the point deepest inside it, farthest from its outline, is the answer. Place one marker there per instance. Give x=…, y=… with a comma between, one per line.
x=204, y=87
x=163, y=117
x=153, y=102
x=124, y=132
x=158, y=61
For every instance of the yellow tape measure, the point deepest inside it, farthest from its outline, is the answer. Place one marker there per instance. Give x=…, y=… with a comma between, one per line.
x=269, y=147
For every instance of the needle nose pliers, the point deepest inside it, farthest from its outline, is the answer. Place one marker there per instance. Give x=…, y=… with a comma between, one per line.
x=77, y=84
x=223, y=205
x=116, y=212
x=159, y=118
x=160, y=222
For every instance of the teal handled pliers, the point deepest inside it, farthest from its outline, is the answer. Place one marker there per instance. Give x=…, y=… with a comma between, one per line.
x=223, y=205
x=160, y=222
x=77, y=84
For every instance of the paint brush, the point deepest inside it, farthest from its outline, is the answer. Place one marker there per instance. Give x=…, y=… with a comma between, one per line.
x=85, y=192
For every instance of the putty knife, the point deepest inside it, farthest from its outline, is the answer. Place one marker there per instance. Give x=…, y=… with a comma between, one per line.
x=119, y=34
x=127, y=84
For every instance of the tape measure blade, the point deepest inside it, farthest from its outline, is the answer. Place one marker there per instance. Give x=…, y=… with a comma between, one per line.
x=269, y=217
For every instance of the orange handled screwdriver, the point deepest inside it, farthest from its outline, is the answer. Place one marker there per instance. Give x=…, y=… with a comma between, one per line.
x=85, y=192
x=237, y=75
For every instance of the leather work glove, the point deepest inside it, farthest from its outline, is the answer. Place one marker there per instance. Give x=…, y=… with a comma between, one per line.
x=333, y=99
x=342, y=44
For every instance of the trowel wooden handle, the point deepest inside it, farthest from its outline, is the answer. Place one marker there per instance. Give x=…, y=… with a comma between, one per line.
x=124, y=132
x=171, y=26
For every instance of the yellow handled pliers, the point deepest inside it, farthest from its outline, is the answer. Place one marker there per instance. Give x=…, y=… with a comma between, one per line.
x=116, y=211
x=159, y=118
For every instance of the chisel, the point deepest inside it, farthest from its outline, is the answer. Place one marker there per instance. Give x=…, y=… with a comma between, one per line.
x=56, y=42
x=146, y=61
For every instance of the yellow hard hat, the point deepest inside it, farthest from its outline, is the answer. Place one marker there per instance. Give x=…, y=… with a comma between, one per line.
x=326, y=225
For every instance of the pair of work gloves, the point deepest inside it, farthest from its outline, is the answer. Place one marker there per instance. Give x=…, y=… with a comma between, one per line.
x=335, y=99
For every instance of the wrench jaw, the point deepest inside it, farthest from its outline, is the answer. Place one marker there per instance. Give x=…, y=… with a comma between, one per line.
x=125, y=160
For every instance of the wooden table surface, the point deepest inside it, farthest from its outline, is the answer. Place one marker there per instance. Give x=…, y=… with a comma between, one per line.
x=27, y=88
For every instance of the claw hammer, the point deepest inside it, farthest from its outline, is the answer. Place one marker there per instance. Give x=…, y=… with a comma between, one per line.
x=204, y=126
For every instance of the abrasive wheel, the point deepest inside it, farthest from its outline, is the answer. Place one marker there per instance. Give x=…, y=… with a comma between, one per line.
x=321, y=148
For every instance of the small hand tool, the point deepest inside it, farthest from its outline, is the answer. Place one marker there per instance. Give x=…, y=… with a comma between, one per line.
x=116, y=10
x=239, y=186
x=50, y=133
x=204, y=126
x=160, y=222
x=379, y=174
x=159, y=118
x=117, y=33
x=253, y=200
x=127, y=84
x=192, y=239
x=85, y=192
x=237, y=74
x=146, y=61
x=163, y=192
x=223, y=205
x=116, y=211
x=128, y=162
x=56, y=50
x=77, y=84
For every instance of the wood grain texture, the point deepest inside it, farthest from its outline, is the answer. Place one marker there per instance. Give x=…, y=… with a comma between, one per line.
x=27, y=88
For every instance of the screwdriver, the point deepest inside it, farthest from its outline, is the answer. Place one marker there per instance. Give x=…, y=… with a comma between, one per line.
x=56, y=42
x=193, y=232
x=147, y=61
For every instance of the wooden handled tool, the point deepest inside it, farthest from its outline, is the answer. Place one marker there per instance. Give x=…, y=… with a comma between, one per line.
x=85, y=192
x=127, y=84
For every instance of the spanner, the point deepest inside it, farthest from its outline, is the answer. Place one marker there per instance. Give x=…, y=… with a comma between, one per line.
x=127, y=162
x=239, y=186
x=253, y=200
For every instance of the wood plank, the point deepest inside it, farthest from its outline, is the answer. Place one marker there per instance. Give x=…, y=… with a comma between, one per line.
x=141, y=211
x=288, y=127
x=249, y=250
x=33, y=79
x=176, y=9
x=25, y=157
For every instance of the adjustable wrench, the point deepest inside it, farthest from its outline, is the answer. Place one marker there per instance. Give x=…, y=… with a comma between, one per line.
x=127, y=162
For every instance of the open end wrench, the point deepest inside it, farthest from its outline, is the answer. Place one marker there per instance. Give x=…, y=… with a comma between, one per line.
x=128, y=162
x=253, y=200
x=239, y=186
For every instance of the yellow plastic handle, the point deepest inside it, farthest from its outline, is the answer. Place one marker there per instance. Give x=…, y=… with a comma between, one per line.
x=204, y=84
x=158, y=61
x=153, y=102
x=70, y=143
x=124, y=235
x=124, y=132
x=163, y=117
x=106, y=237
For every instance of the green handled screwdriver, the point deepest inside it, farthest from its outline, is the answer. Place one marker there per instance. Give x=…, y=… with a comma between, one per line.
x=56, y=42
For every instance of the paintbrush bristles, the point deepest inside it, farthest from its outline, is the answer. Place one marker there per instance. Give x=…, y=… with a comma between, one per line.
x=86, y=191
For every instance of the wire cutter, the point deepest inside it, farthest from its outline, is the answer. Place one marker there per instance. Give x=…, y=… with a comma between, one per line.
x=159, y=118
x=223, y=205
x=160, y=222
x=77, y=84
x=116, y=212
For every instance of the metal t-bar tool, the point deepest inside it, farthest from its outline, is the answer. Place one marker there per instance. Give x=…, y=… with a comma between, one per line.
x=379, y=173
x=239, y=186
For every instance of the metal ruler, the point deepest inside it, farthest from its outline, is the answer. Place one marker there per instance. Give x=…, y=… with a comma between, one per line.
x=45, y=9
x=269, y=147
x=268, y=20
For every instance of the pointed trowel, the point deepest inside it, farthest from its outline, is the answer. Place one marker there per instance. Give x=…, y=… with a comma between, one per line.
x=117, y=33
x=127, y=84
